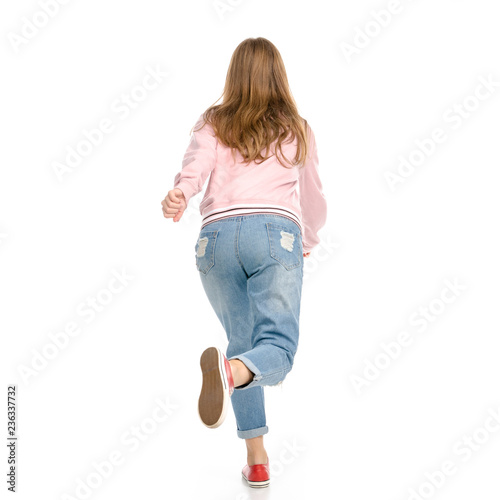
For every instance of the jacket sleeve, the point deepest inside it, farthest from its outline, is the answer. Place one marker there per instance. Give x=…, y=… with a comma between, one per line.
x=312, y=199
x=199, y=160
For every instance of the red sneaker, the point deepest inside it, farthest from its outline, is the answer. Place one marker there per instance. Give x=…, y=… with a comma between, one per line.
x=217, y=387
x=257, y=476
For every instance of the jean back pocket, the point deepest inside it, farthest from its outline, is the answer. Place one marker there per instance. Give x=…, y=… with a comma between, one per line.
x=205, y=250
x=285, y=245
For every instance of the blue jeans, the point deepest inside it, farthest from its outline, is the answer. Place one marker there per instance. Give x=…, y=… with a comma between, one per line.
x=251, y=267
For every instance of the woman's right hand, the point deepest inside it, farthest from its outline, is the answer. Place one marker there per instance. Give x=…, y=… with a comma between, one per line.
x=174, y=204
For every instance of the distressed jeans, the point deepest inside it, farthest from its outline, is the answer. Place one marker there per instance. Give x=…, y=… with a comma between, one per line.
x=251, y=267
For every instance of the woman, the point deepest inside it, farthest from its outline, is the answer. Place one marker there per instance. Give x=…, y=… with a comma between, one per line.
x=261, y=215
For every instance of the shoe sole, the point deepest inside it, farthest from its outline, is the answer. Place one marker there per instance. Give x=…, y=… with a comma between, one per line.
x=214, y=396
x=256, y=484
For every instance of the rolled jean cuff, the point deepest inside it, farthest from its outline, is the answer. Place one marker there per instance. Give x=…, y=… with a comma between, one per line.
x=249, y=364
x=252, y=433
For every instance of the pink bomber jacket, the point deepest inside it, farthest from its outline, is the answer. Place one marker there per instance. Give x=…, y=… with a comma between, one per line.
x=238, y=189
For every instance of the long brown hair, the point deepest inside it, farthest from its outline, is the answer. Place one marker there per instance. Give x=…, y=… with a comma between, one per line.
x=258, y=107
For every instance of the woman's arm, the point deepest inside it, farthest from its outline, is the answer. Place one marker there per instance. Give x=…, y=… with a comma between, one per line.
x=312, y=199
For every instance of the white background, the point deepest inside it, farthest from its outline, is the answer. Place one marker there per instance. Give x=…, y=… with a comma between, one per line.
x=384, y=253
